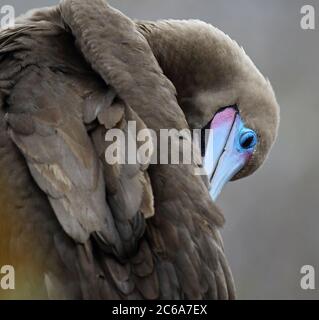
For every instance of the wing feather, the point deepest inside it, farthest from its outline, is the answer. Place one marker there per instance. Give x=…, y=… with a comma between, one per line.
x=61, y=156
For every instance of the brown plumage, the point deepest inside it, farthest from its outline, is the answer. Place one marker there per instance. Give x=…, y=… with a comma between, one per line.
x=76, y=227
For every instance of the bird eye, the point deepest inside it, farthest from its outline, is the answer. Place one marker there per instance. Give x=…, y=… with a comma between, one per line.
x=248, y=139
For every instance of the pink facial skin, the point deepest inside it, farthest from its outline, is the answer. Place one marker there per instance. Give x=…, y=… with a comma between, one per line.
x=224, y=118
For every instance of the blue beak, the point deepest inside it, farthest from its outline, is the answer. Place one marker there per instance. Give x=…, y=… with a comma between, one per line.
x=230, y=146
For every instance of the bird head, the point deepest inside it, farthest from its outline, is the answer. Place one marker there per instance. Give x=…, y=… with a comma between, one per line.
x=219, y=88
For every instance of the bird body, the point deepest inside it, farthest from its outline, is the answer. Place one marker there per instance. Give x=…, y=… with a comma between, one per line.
x=74, y=226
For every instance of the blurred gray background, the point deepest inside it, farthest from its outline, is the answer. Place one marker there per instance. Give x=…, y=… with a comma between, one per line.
x=272, y=217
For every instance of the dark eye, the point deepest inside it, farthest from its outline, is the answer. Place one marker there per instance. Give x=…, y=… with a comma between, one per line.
x=248, y=139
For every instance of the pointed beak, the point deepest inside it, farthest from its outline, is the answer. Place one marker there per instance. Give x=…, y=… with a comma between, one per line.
x=225, y=156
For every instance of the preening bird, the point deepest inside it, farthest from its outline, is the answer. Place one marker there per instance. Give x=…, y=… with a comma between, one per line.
x=76, y=227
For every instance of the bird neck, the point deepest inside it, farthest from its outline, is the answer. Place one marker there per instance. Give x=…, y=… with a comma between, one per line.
x=174, y=52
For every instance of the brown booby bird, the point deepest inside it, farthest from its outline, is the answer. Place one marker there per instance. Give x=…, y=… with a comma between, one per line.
x=76, y=227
